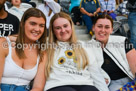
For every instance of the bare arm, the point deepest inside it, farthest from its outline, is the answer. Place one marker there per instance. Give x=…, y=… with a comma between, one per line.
x=131, y=57
x=97, y=11
x=3, y=54
x=39, y=81
x=82, y=10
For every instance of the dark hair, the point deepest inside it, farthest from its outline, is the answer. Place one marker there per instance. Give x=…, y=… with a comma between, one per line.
x=103, y=16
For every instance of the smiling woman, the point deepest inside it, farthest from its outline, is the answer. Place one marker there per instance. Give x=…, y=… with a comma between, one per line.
x=117, y=52
x=18, y=65
x=70, y=68
x=35, y=28
x=103, y=28
x=62, y=29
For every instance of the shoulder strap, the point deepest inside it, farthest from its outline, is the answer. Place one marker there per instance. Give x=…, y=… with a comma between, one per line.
x=9, y=44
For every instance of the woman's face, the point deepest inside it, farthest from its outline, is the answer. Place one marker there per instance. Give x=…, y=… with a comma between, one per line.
x=34, y=28
x=62, y=29
x=102, y=29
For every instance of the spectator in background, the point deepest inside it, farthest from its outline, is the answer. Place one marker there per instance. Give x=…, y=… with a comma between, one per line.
x=89, y=8
x=18, y=9
x=64, y=5
x=108, y=7
x=8, y=5
x=9, y=24
x=75, y=11
x=122, y=10
x=49, y=8
x=131, y=6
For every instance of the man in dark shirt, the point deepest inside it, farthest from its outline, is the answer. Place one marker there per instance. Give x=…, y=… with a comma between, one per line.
x=9, y=24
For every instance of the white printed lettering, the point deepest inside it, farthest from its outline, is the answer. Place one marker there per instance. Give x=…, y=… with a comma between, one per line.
x=1, y=25
x=11, y=27
x=6, y=27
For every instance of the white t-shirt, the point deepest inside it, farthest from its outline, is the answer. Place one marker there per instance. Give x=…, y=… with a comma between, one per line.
x=64, y=70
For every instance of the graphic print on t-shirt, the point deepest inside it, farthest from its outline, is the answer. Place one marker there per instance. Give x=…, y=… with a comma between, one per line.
x=9, y=25
x=69, y=63
x=5, y=29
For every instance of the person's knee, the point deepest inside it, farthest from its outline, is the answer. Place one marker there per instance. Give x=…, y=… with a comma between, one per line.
x=114, y=87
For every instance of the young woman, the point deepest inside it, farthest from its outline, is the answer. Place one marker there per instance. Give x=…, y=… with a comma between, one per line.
x=119, y=56
x=70, y=66
x=23, y=60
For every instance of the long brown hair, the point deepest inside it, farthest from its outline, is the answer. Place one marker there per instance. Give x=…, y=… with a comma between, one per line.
x=79, y=52
x=32, y=12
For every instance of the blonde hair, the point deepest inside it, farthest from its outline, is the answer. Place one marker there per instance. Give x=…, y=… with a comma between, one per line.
x=79, y=52
x=32, y=12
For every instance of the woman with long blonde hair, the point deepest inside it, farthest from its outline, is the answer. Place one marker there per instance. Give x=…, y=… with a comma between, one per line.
x=70, y=66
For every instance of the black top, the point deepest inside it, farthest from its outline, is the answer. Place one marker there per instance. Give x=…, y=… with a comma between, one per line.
x=131, y=5
x=132, y=1
x=110, y=66
x=9, y=25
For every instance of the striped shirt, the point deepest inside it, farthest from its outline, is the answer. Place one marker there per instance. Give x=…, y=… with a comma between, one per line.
x=108, y=5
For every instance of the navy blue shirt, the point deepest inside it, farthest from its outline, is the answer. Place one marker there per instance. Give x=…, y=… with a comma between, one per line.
x=90, y=6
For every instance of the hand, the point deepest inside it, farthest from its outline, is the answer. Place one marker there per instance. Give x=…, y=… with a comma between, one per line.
x=109, y=12
x=105, y=11
x=106, y=80
x=95, y=13
x=90, y=14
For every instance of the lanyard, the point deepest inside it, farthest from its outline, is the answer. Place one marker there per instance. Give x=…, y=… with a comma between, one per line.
x=106, y=4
